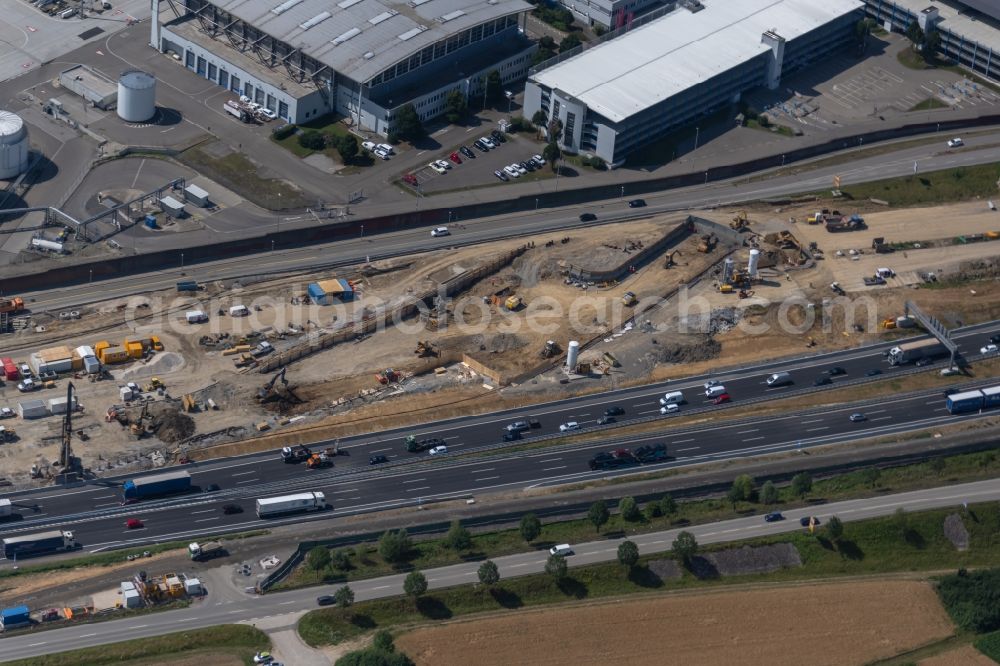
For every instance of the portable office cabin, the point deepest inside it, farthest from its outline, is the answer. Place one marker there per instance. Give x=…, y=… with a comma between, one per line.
x=18, y=616
x=325, y=292
x=196, y=195
x=91, y=365
x=32, y=409
x=58, y=405
x=172, y=206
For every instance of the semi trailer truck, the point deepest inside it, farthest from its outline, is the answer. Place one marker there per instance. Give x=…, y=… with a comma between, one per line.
x=287, y=504
x=157, y=484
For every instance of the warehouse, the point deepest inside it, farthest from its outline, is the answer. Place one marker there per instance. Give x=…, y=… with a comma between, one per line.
x=364, y=59
x=617, y=96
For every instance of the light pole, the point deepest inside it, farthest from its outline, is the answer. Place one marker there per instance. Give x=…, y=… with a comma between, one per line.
x=782, y=160
x=486, y=89
x=91, y=275
x=536, y=203
x=510, y=100
x=706, y=176
x=621, y=195
x=697, y=131
x=182, y=260
x=272, y=246
x=362, y=231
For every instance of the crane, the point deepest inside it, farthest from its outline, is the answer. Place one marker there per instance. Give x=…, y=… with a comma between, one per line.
x=70, y=467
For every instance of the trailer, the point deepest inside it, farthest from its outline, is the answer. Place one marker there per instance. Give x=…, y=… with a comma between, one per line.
x=967, y=401
x=914, y=351
x=286, y=504
x=18, y=616
x=38, y=544
x=157, y=484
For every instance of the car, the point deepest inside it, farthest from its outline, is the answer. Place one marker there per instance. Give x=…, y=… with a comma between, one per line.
x=836, y=370
x=481, y=145
x=488, y=142
x=369, y=145
x=562, y=549
x=133, y=523
x=989, y=349
x=212, y=488
x=822, y=380
x=804, y=521
x=381, y=154
x=497, y=135
x=721, y=399
x=387, y=148
x=437, y=167
x=6, y=413
x=518, y=426
x=857, y=417
x=268, y=113
x=520, y=169
x=874, y=372
x=567, y=427
x=712, y=382
x=955, y=143
x=455, y=158
x=538, y=158
x=377, y=460
x=923, y=361
x=587, y=217
x=512, y=172
x=410, y=178
x=670, y=409
x=606, y=420
x=440, y=231
x=501, y=175
x=995, y=339
x=263, y=658
x=230, y=509
x=528, y=165
x=614, y=411
x=773, y=517
x=511, y=436
x=649, y=453
x=637, y=203
x=465, y=150
x=438, y=450
x=534, y=423
x=442, y=164
x=325, y=600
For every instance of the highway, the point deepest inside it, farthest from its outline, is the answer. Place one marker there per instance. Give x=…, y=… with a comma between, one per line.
x=210, y=611
x=94, y=513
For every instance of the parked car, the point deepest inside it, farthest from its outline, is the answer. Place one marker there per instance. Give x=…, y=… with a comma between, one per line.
x=587, y=217
x=268, y=113
x=857, y=417
x=501, y=175
x=520, y=169
x=387, y=147
x=6, y=413
x=481, y=145
x=455, y=158
x=955, y=143
x=773, y=517
x=528, y=165
x=263, y=658
x=440, y=231
x=381, y=154
x=437, y=450
x=538, y=158
x=437, y=167
x=497, y=135
x=377, y=460
x=637, y=203
x=567, y=427
x=230, y=509
x=488, y=142
x=444, y=165
x=410, y=178
x=369, y=145
x=465, y=150
x=512, y=172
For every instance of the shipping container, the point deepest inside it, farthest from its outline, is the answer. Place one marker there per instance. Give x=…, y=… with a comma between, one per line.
x=109, y=355
x=37, y=544
x=91, y=365
x=195, y=316
x=239, y=311
x=157, y=484
x=83, y=351
x=968, y=401
x=196, y=195
x=172, y=206
x=10, y=372
x=18, y=616
x=286, y=504
x=58, y=405
x=32, y=409
x=133, y=349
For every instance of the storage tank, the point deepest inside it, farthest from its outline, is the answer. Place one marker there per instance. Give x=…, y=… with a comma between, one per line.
x=136, y=96
x=727, y=271
x=752, y=264
x=13, y=146
x=572, y=355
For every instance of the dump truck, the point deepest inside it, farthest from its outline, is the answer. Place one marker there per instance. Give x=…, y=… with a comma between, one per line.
x=319, y=461
x=157, y=484
x=286, y=504
x=629, y=299
x=205, y=551
x=40, y=543
x=413, y=445
x=909, y=352
x=11, y=305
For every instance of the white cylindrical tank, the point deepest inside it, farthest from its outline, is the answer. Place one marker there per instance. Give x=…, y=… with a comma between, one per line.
x=136, y=96
x=13, y=146
x=727, y=270
x=51, y=246
x=752, y=264
x=572, y=355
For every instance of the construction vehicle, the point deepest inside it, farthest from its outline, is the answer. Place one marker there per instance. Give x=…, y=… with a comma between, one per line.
x=550, y=349
x=154, y=384
x=424, y=349
x=236, y=349
x=629, y=299
x=319, y=461
x=263, y=426
x=7, y=434
x=706, y=243
x=725, y=288
x=668, y=259
x=888, y=323
x=837, y=289
x=245, y=360
x=11, y=305
x=513, y=302
x=387, y=376
x=205, y=551
x=880, y=246
x=610, y=359
x=295, y=454
x=740, y=222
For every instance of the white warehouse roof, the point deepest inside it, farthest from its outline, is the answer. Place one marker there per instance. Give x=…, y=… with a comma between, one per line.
x=654, y=62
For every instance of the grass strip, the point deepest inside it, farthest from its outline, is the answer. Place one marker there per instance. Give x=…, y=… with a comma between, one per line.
x=947, y=185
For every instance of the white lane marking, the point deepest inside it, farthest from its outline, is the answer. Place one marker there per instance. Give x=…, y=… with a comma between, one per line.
x=346, y=490
x=248, y=481
x=752, y=439
x=486, y=478
x=98, y=506
x=817, y=429
x=484, y=469
x=110, y=496
x=690, y=448
x=244, y=473
x=681, y=441
x=811, y=421
x=549, y=469
x=205, y=520
x=747, y=432
x=381, y=450
x=550, y=460
x=881, y=418
x=875, y=411
x=416, y=480
x=413, y=490
x=203, y=511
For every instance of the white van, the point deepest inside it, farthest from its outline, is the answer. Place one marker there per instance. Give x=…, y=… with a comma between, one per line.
x=562, y=549
x=779, y=379
x=672, y=398
x=713, y=391
x=885, y=273
x=239, y=311
x=68, y=13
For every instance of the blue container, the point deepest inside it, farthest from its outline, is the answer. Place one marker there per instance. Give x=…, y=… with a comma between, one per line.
x=15, y=616
x=969, y=401
x=151, y=221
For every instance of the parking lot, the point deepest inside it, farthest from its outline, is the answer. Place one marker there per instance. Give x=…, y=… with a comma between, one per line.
x=478, y=171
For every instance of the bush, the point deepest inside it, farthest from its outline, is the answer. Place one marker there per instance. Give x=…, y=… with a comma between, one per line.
x=284, y=131
x=990, y=645
x=652, y=510
x=340, y=559
x=668, y=505
x=395, y=546
x=531, y=527
x=318, y=558
x=312, y=140
x=973, y=599
x=383, y=641
x=521, y=124
x=629, y=509
x=415, y=584
x=458, y=538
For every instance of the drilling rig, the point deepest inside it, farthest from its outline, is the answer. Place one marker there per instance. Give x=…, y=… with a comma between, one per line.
x=70, y=467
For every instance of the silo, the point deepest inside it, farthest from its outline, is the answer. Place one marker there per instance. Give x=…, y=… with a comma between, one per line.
x=752, y=264
x=13, y=145
x=572, y=355
x=727, y=271
x=136, y=96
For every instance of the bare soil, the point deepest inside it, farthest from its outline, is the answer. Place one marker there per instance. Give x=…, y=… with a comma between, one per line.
x=835, y=624
x=962, y=656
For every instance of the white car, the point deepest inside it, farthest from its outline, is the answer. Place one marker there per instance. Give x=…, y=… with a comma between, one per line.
x=714, y=391
x=387, y=148
x=369, y=145
x=670, y=409
x=566, y=427
x=378, y=152
x=268, y=113
x=439, y=450
x=512, y=172
x=955, y=143
x=520, y=169
x=711, y=382
x=490, y=143
x=437, y=167
x=538, y=158
x=441, y=163
x=989, y=349
x=440, y=231
x=6, y=413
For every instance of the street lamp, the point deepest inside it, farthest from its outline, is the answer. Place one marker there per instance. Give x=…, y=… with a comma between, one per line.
x=182, y=260
x=510, y=100
x=697, y=131
x=782, y=160
x=706, y=176
x=536, y=203
x=362, y=231
x=622, y=194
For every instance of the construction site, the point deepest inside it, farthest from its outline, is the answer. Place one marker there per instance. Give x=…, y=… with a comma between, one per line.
x=163, y=377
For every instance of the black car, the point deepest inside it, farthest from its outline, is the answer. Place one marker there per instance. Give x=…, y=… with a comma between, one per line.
x=614, y=411
x=212, y=488
x=873, y=372
x=530, y=166
x=377, y=460
x=587, y=217
x=822, y=381
x=995, y=339
x=637, y=203
x=501, y=175
x=773, y=517
x=804, y=521
x=325, y=600
x=230, y=509
x=465, y=150
x=836, y=370
x=606, y=420
x=481, y=146
x=651, y=453
x=498, y=136
x=511, y=436
x=604, y=461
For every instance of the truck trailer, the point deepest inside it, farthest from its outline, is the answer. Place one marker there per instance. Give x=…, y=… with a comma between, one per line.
x=18, y=616
x=37, y=544
x=157, y=484
x=205, y=551
x=914, y=351
x=285, y=504
x=6, y=509
x=967, y=401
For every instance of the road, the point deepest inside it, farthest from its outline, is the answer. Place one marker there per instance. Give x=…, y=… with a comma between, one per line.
x=93, y=512
x=208, y=612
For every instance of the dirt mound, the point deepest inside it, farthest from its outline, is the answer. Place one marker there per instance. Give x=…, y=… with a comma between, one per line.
x=172, y=426
x=689, y=349
x=746, y=560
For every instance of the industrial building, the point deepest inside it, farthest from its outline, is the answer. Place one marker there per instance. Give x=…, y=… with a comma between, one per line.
x=14, y=146
x=364, y=59
x=92, y=86
x=615, y=97
x=611, y=14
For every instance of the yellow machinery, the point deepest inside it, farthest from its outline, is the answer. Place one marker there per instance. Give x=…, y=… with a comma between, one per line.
x=726, y=288
x=740, y=221
x=706, y=243
x=513, y=302
x=629, y=299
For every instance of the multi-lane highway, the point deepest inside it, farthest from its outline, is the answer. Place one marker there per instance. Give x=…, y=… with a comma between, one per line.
x=353, y=486
x=213, y=611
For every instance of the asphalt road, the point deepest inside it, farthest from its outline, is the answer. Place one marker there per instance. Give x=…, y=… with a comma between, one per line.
x=94, y=513
x=209, y=612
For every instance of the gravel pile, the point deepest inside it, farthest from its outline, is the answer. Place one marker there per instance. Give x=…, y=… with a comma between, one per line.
x=954, y=530
x=746, y=560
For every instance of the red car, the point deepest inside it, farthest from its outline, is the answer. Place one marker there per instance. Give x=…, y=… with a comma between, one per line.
x=721, y=399
x=133, y=523
x=410, y=178
x=455, y=158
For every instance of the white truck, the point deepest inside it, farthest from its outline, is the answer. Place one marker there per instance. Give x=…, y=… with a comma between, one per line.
x=909, y=352
x=234, y=109
x=285, y=504
x=5, y=508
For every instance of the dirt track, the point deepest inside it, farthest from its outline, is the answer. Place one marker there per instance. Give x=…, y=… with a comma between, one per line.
x=834, y=624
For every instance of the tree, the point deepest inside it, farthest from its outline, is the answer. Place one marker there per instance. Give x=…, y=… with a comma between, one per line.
x=394, y=546
x=555, y=130
x=931, y=45
x=455, y=106
x=531, y=527
x=494, y=86
x=870, y=475
x=415, y=584
x=652, y=510
x=318, y=558
x=311, y=140
x=489, y=574
x=344, y=597
x=741, y=490
x=556, y=567
x=685, y=546
x=629, y=509
x=598, y=515
x=938, y=465
x=834, y=529
x=408, y=124
x=570, y=41
x=340, y=559
x=552, y=154
x=382, y=640
x=768, y=493
x=668, y=505
x=539, y=118
x=915, y=35
x=802, y=483
x=458, y=538
x=628, y=554
x=347, y=146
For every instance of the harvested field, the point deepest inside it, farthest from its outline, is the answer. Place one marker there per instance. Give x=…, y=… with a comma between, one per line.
x=845, y=624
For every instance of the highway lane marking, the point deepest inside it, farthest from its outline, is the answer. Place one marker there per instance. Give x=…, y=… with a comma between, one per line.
x=205, y=520
x=932, y=402
x=486, y=478
x=413, y=490
x=485, y=469
x=550, y=460
x=811, y=421
x=36, y=644
x=347, y=490
x=747, y=432
x=203, y=511
x=245, y=473
x=751, y=439
x=140, y=626
x=649, y=411
x=248, y=481
x=286, y=603
x=416, y=480
x=881, y=418
x=382, y=587
x=941, y=409
x=381, y=450
x=452, y=437
x=817, y=429
x=549, y=469
x=110, y=496
x=681, y=441
x=875, y=411
x=643, y=404
x=690, y=448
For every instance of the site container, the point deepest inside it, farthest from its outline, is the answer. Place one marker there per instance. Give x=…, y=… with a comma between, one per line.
x=18, y=616
x=32, y=409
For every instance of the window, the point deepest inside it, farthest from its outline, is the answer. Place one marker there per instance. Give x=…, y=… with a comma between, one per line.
x=439, y=49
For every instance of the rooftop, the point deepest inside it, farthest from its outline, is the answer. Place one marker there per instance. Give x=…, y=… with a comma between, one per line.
x=360, y=38
x=973, y=27
x=654, y=62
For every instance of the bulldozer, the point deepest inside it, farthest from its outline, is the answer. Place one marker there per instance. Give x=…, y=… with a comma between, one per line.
x=153, y=385
x=740, y=222
x=706, y=243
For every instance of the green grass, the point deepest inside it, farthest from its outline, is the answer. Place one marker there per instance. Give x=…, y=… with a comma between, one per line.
x=989, y=644
x=231, y=639
x=365, y=561
x=868, y=547
x=929, y=104
x=959, y=184
x=239, y=174
x=291, y=144
x=910, y=59
x=773, y=128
